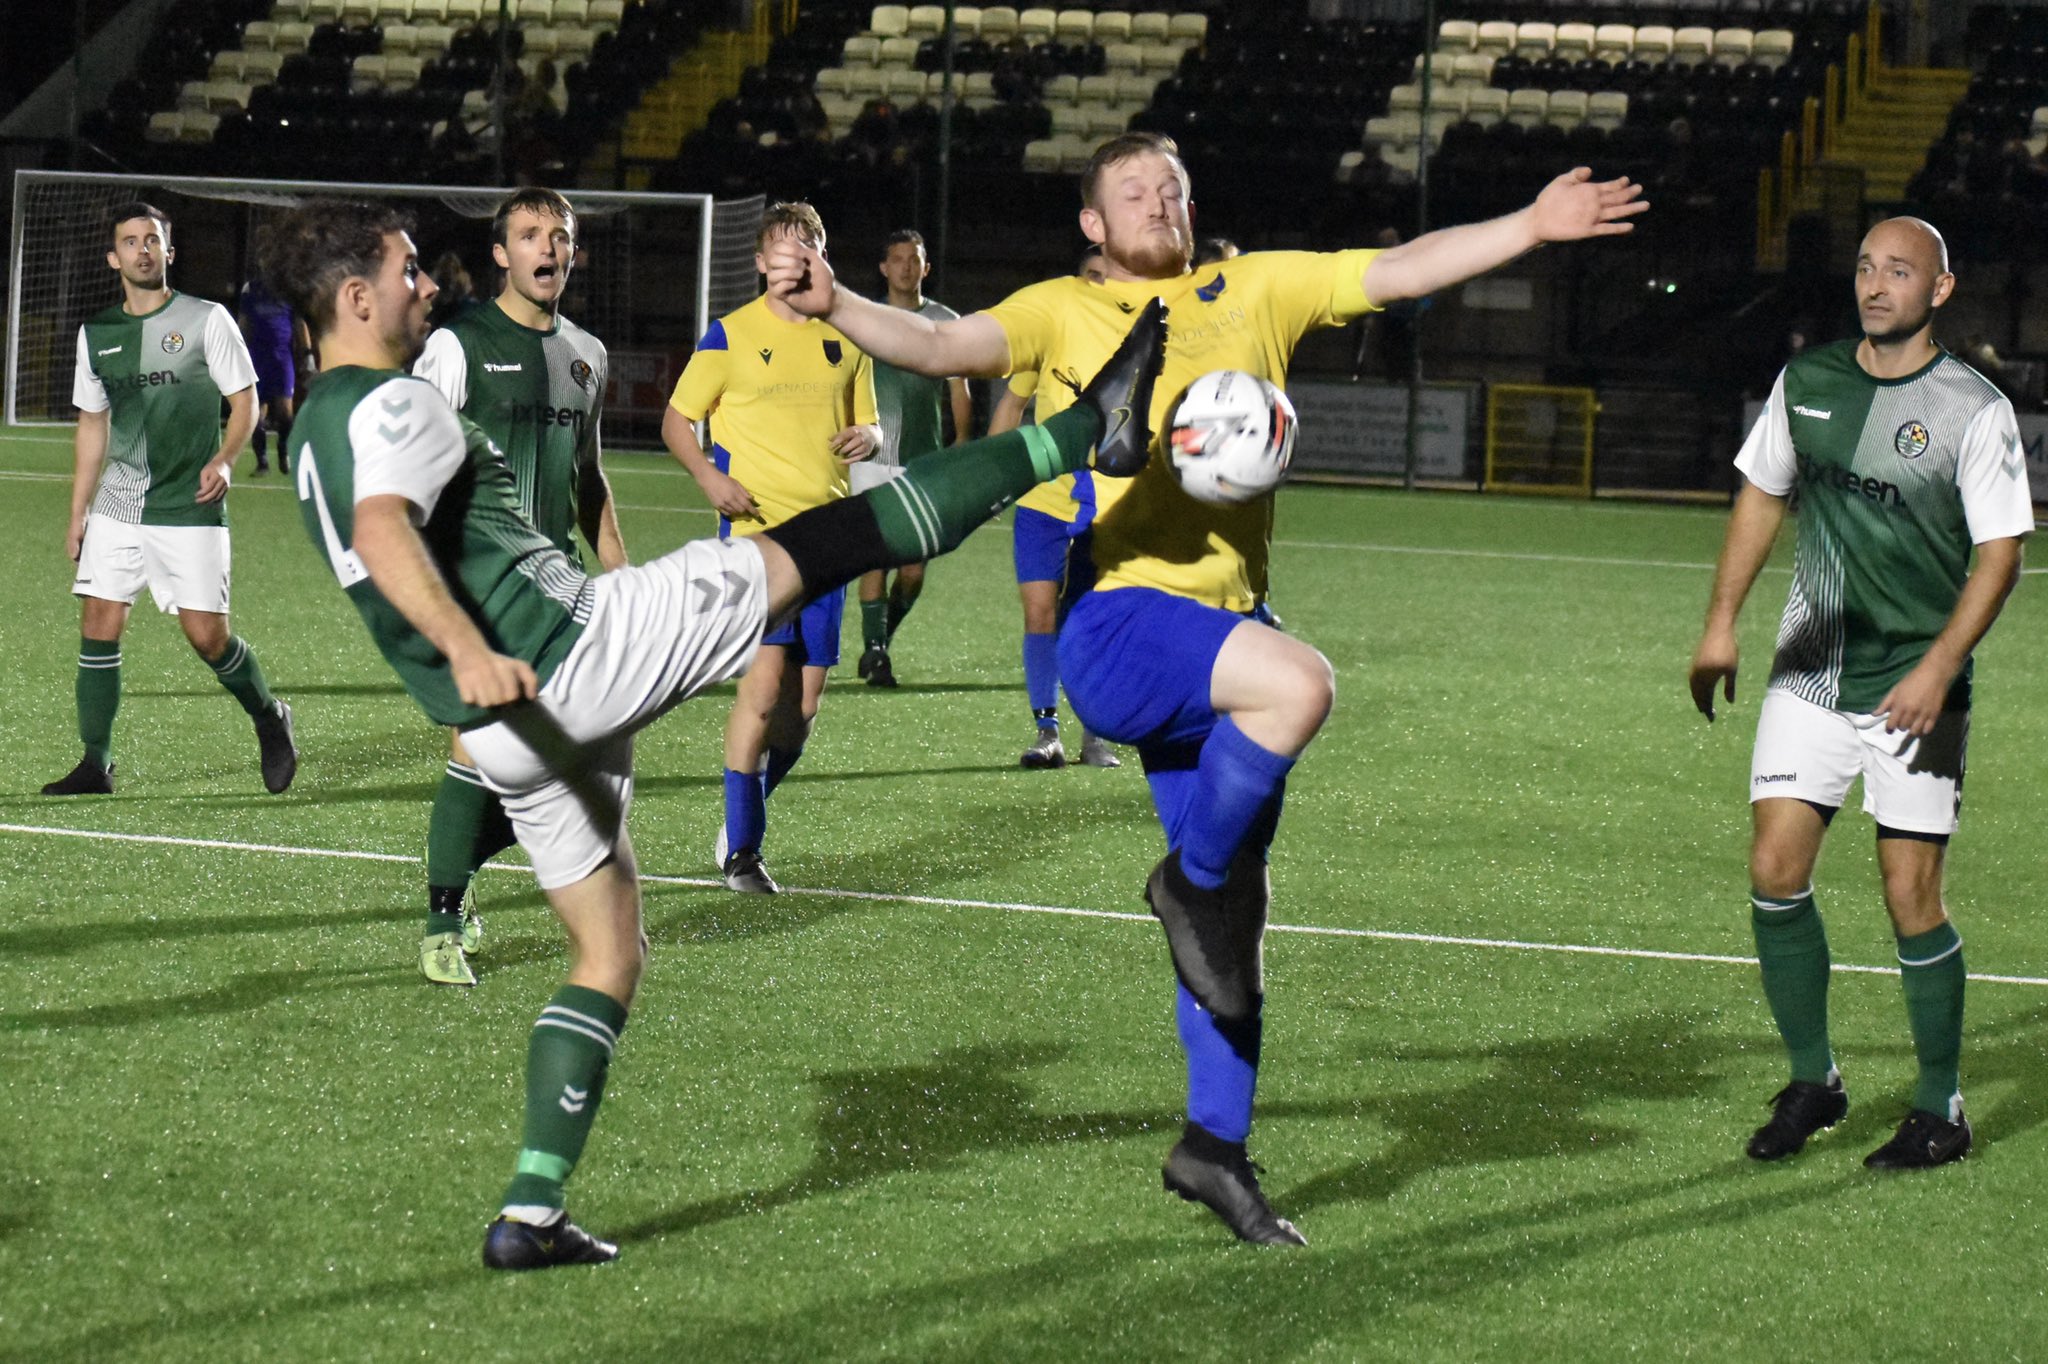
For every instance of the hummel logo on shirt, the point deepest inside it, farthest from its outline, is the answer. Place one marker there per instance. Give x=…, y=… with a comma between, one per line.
x=110, y=350
x=490, y=368
x=1813, y=412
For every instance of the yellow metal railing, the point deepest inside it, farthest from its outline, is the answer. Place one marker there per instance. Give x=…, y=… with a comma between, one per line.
x=1539, y=439
x=1844, y=90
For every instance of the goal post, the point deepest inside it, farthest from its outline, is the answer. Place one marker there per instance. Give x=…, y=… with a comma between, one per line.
x=652, y=272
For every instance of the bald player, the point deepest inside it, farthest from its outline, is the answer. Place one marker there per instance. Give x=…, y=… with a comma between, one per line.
x=1905, y=459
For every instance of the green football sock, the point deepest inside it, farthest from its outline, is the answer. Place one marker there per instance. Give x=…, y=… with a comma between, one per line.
x=99, y=696
x=1792, y=950
x=1931, y=968
x=466, y=829
x=566, y=1061
x=899, y=605
x=238, y=671
x=874, y=622
x=946, y=494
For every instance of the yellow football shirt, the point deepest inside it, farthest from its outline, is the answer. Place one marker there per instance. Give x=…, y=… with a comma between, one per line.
x=1056, y=497
x=776, y=393
x=1245, y=313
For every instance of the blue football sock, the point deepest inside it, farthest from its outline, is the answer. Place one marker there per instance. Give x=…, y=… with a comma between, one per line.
x=746, y=814
x=780, y=760
x=1042, y=672
x=1223, y=1067
x=1238, y=780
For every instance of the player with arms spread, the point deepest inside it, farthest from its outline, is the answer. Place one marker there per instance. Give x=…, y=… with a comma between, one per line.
x=534, y=382
x=149, y=492
x=548, y=672
x=792, y=404
x=1163, y=653
x=1905, y=459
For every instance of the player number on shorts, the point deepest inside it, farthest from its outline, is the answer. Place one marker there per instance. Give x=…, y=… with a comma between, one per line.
x=347, y=567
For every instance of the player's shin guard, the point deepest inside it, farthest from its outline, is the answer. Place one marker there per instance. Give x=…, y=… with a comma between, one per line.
x=1792, y=953
x=466, y=828
x=566, y=1062
x=1931, y=969
x=937, y=502
x=239, y=672
x=1237, y=781
x=99, y=696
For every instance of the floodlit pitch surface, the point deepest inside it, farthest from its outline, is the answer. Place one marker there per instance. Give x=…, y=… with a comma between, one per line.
x=915, y=1107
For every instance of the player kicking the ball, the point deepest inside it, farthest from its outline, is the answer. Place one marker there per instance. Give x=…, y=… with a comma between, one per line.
x=1164, y=652
x=549, y=673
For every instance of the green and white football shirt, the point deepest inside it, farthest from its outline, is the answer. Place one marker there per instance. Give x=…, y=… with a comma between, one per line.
x=1897, y=479
x=367, y=432
x=910, y=406
x=539, y=396
x=160, y=376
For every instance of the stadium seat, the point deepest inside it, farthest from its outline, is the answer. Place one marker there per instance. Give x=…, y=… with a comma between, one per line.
x=259, y=35
x=1192, y=28
x=1062, y=89
x=1070, y=120
x=967, y=21
x=197, y=126
x=1113, y=26
x=528, y=13
x=165, y=126
x=1163, y=58
x=192, y=95
x=1496, y=38
x=1123, y=56
x=1472, y=70
x=286, y=10
x=358, y=13
x=1653, y=43
x=2039, y=124
x=1773, y=47
x=905, y=87
x=889, y=21
x=574, y=44
x=540, y=40
x=1042, y=157
x=979, y=90
x=227, y=65
x=1457, y=36
x=1527, y=108
x=261, y=67
x=1607, y=109
x=1732, y=46
x=607, y=14
x=402, y=71
x=1567, y=109
x=898, y=52
x=1134, y=88
x=861, y=50
x=1036, y=25
x=1074, y=26
x=1614, y=42
x=867, y=82
x=433, y=39
x=322, y=11
x=401, y=38
x=840, y=112
x=1486, y=107
x=1535, y=39
x=1075, y=153
x=1098, y=90
x=394, y=11
x=925, y=21
x=367, y=72
x=832, y=80
x=998, y=22
x=1692, y=46
x=572, y=12
x=462, y=12
x=1150, y=26
x=1574, y=41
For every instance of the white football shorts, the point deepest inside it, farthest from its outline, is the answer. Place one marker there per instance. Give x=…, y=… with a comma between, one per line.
x=186, y=568
x=869, y=475
x=1808, y=752
x=659, y=633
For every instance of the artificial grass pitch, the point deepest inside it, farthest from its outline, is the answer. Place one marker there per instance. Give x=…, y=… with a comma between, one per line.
x=917, y=1118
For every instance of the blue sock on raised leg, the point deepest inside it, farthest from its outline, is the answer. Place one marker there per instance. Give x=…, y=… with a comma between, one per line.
x=1237, y=781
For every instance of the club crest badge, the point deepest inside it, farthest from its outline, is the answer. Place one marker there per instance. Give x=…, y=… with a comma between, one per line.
x=173, y=342
x=833, y=353
x=1910, y=440
x=579, y=374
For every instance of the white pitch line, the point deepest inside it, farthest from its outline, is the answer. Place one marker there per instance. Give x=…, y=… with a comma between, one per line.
x=1008, y=906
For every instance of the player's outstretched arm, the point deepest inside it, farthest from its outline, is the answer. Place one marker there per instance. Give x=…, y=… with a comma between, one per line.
x=972, y=345
x=1917, y=701
x=1571, y=208
x=88, y=456
x=401, y=569
x=1752, y=530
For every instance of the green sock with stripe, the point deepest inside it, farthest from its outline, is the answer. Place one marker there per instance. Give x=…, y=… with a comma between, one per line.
x=1931, y=969
x=874, y=623
x=566, y=1061
x=945, y=495
x=1792, y=950
x=99, y=696
x=238, y=671
x=466, y=829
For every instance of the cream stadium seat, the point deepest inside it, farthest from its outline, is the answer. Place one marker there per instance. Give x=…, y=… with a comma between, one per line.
x=1074, y=26
x=1614, y=43
x=861, y=50
x=998, y=22
x=367, y=72
x=832, y=80
x=979, y=90
x=1070, y=120
x=607, y=13
x=1192, y=28
x=1042, y=157
x=259, y=35
x=1692, y=46
x=1457, y=35
x=358, y=12
x=1472, y=70
x=262, y=67
x=402, y=71
x=906, y=87
x=1075, y=154
x=1607, y=109
x=899, y=52
x=1567, y=109
x=192, y=95
x=1150, y=26
x=1535, y=39
x=1527, y=108
x=462, y=12
x=840, y=112
x=1123, y=57
x=1486, y=107
x=1574, y=41
x=433, y=39
x=1113, y=26
x=1496, y=38
x=293, y=35
x=1135, y=88
x=1653, y=43
x=1036, y=25
x=889, y=21
x=867, y=82
x=394, y=11
x=227, y=65
x=197, y=125
x=1773, y=47
x=527, y=13
x=925, y=21
x=165, y=127
x=1162, y=58
x=1060, y=90
x=572, y=12
x=1732, y=46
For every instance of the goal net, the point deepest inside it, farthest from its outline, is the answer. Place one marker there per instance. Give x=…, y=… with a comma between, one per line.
x=653, y=270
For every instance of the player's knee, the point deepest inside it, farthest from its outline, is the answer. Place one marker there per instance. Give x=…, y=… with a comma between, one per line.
x=1309, y=688
x=1779, y=873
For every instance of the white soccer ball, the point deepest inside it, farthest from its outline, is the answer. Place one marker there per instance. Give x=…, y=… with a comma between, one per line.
x=1232, y=437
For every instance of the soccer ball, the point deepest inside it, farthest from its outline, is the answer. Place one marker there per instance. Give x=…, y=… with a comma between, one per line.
x=1232, y=437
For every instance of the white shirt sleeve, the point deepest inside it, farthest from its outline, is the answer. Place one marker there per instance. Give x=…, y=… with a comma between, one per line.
x=443, y=365
x=227, y=354
x=88, y=394
x=406, y=442
x=1767, y=458
x=1991, y=474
